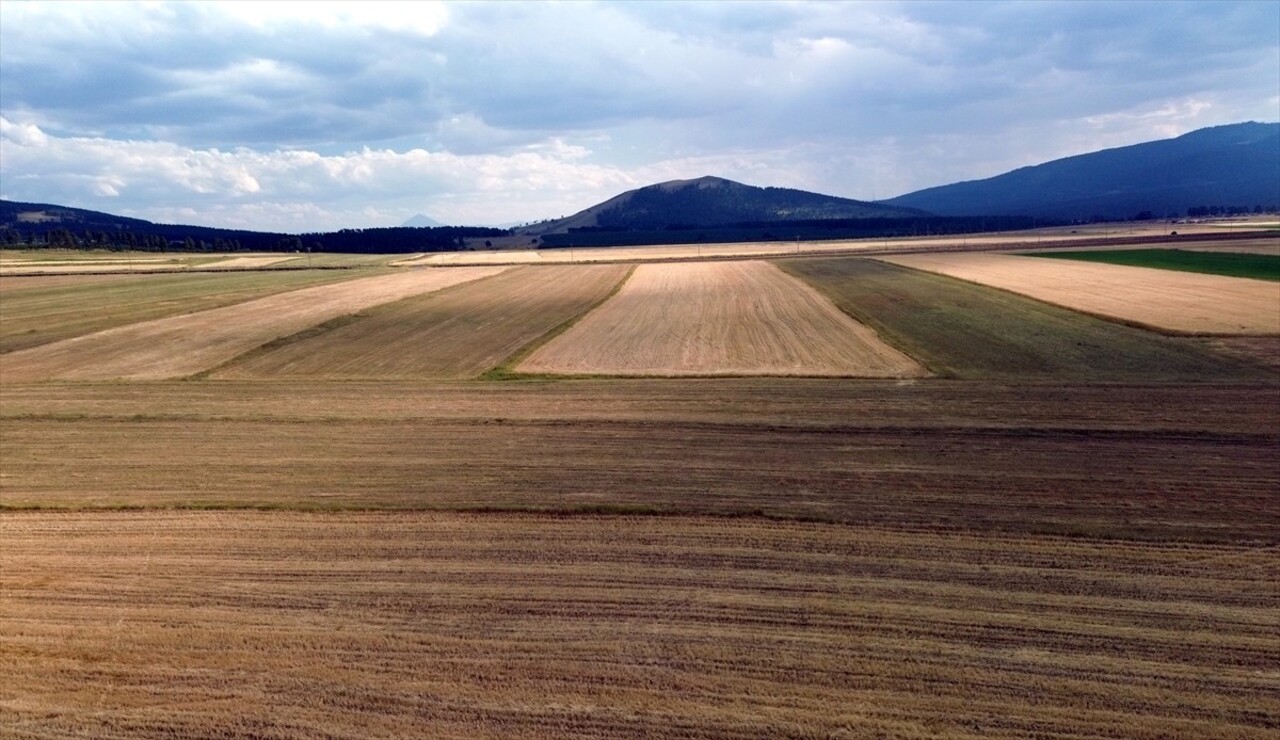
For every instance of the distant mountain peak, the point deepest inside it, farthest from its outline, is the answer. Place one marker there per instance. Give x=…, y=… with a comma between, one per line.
x=421, y=221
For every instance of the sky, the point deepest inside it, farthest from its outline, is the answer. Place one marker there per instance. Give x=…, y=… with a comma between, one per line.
x=317, y=116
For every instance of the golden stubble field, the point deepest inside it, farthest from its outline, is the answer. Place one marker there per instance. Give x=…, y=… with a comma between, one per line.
x=1025, y=549
x=718, y=318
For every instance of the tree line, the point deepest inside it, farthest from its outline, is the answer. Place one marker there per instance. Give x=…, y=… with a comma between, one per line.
x=164, y=238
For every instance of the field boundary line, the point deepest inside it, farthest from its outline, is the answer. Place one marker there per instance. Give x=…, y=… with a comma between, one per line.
x=506, y=370
x=880, y=331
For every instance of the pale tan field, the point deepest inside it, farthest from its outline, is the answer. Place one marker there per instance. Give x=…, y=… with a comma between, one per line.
x=177, y=346
x=721, y=318
x=255, y=261
x=1183, y=302
x=416, y=624
x=460, y=332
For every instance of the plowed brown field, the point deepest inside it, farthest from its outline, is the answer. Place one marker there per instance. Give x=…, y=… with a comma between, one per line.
x=723, y=318
x=285, y=624
x=1184, y=302
x=460, y=332
x=183, y=345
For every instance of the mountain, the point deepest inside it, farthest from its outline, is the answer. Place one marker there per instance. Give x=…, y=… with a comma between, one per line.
x=713, y=201
x=1234, y=165
x=43, y=216
x=420, y=221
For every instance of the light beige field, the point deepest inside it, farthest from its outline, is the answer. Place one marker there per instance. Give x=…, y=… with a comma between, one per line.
x=418, y=624
x=1182, y=302
x=178, y=346
x=255, y=261
x=719, y=318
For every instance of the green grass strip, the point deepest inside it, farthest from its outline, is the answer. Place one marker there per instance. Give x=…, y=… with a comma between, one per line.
x=1233, y=264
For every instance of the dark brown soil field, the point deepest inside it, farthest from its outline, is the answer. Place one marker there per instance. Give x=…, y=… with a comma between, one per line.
x=1158, y=462
x=414, y=624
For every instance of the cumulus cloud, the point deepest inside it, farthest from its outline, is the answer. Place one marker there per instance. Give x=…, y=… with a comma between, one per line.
x=488, y=112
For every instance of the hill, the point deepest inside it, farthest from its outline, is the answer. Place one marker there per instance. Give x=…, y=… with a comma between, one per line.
x=42, y=225
x=710, y=202
x=1234, y=166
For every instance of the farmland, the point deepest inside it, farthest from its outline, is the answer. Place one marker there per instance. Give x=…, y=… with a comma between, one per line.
x=1180, y=302
x=964, y=330
x=451, y=333
x=42, y=309
x=183, y=345
x=285, y=624
x=1234, y=264
x=339, y=523
x=743, y=318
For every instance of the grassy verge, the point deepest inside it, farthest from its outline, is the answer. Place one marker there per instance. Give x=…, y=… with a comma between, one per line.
x=962, y=330
x=1233, y=264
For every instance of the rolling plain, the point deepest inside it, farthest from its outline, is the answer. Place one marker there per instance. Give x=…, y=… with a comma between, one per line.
x=382, y=517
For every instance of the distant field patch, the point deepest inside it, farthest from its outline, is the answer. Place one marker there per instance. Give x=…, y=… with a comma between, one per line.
x=723, y=318
x=253, y=261
x=460, y=332
x=1234, y=264
x=183, y=345
x=1182, y=302
x=38, y=310
x=959, y=329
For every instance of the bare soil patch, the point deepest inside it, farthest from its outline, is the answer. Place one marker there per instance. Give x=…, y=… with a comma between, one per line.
x=1159, y=463
x=1182, y=302
x=731, y=318
x=182, y=345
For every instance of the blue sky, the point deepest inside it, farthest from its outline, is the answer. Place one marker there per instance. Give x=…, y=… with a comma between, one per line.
x=314, y=116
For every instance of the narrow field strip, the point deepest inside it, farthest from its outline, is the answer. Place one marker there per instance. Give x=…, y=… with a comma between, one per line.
x=412, y=624
x=728, y=318
x=183, y=345
x=43, y=309
x=1181, y=302
x=965, y=330
x=254, y=261
x=460, y=332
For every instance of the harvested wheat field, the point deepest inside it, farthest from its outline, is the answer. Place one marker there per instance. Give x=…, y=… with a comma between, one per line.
x=182, y=345
x=459, y=332
x=1181, y=302
x=287, y=624
x=724, y=318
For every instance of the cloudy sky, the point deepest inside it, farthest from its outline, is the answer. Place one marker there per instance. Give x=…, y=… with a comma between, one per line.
x=315, y=116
